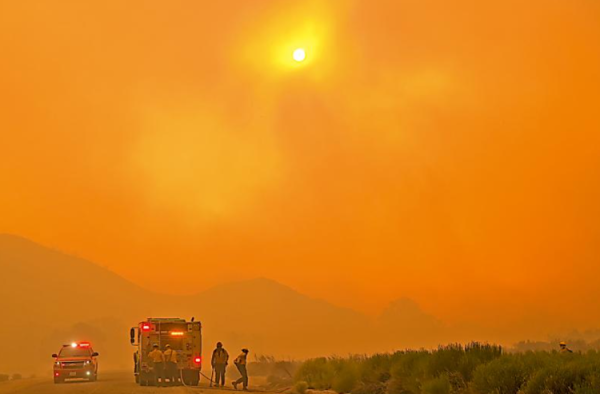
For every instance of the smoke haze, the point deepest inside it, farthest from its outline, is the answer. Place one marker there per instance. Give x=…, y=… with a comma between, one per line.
x=444, y=152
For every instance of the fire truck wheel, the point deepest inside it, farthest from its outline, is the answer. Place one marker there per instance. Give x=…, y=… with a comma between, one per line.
x=94, y=378
x=195, y=378
x=57, y=380
x=191, y=377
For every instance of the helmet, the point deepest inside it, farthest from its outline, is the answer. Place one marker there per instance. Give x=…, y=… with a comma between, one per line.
x=155, y=345
x=219, y=344
x=167, y=345
x=563, y=343
x=245, y=350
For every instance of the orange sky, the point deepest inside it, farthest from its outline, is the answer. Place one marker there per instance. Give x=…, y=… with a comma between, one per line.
x=444, y=151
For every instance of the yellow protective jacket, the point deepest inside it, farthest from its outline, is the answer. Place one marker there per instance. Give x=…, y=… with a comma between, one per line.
x=156, y=356
x=170, y=355
x=241, y=359
x=220, y=356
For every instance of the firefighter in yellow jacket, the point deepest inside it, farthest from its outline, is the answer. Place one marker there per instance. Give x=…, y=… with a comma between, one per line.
x=240, y=362
x=219, y=360
x=171, y=370
x=564, y=348
x=158, y=364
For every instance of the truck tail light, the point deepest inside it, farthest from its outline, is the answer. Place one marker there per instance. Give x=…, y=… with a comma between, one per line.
x=197, y=360
x=146, y=327
x=56, y=374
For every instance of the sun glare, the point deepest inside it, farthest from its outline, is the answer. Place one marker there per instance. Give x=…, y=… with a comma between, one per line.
x=299, y=55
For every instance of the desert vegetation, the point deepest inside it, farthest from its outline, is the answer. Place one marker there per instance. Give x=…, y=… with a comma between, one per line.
x=278, y=373
x=455, y=369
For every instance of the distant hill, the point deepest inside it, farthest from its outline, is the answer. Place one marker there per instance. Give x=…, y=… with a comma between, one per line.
x=46, y=284
x=403, y=322
x=279, y=320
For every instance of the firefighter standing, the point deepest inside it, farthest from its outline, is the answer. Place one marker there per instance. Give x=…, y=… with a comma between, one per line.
x=240, y=363
x=158, y=361
x=171, y=364
x=219, y=360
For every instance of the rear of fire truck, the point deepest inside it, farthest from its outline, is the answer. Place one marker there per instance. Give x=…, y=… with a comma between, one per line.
x=184, y=337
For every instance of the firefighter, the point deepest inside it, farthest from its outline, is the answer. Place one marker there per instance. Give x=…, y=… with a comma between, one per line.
x=171, y=371
x=158, y=364
x=564, y=348
x=219, y=360
x=240, y=363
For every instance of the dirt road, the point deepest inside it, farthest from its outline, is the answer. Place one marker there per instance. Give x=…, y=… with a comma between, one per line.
x=108, y=383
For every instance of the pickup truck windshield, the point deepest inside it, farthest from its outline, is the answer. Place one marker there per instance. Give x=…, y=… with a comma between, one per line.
x=74, y=352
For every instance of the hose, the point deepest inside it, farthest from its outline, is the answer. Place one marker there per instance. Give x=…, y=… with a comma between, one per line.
x=192, y=387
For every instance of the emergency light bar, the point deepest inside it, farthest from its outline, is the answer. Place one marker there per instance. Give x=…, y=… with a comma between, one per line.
x=78, y=344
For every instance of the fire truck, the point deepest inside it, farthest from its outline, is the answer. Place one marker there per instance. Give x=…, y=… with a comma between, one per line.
x=184, y=337
x=75, y=361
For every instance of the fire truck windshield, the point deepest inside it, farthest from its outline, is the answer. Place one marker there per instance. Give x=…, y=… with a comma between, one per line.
x=74, y=352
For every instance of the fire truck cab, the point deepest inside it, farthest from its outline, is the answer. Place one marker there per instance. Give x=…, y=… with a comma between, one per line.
x=184, y=337
x=75, y=361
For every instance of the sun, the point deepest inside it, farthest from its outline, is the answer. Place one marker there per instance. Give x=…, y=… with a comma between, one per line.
x=299, y=55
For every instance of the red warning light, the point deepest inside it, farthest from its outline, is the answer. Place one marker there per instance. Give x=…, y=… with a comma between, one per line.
x=146, y=327
x=198, y=360
x=84, y=344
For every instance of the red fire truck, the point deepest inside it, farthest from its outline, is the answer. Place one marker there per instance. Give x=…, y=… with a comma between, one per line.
x=184, y=337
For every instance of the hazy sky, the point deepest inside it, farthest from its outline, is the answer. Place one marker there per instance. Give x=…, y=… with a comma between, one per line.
x=447, y=151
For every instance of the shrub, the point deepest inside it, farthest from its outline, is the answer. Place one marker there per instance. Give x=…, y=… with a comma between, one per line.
x=17, y=376
x=300, y=387
x=473, y=369
x=505, y=375
x=346, y=377
x=439, y=385
x=3, y=378
x=318, y=373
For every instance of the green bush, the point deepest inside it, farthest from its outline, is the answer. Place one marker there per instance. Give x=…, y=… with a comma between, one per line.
x=566, y=374
x=300, y=387
x=471, y=369
x=318, y=373
x=439, y=385
x=346, y=376
x=505, y=375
